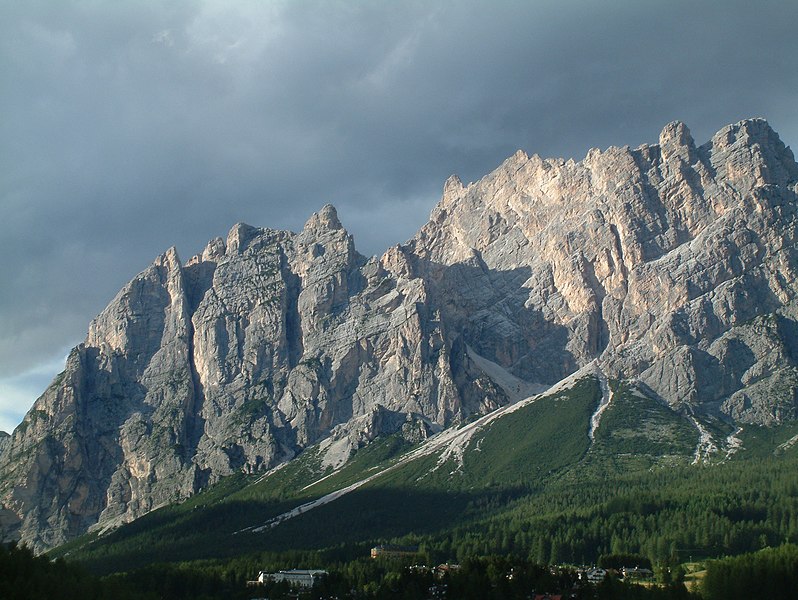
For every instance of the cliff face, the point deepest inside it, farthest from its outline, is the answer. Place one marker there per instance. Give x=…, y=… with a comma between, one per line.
x=671, y=264
x=263, y=344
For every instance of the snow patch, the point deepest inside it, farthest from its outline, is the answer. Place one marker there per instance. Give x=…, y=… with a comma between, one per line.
x=272, y=523
x=452, y=441
x=455, y=445
x=456, y=441
x=606, y=398
x=789, y=443
x=706, y=445
x=735, y=444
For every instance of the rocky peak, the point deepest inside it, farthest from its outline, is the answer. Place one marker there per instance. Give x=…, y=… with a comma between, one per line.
x=395, y=261
x=751, y=154
x=452, y=189
x=586, y=238
x=128, y=320
x=214, y=250
x=239, y=237
x=675, y=140
x=324, y=220
x=748, y=131
x=676, y=133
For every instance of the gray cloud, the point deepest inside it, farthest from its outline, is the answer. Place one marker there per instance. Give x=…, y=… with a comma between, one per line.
x=129, y=127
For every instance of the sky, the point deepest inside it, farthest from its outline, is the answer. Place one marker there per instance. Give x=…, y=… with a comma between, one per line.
x=127, y=127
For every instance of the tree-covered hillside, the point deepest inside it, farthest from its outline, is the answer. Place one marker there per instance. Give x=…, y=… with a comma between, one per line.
x=530, y=483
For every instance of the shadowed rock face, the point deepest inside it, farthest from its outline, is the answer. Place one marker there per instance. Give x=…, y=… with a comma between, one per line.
x=671, y=264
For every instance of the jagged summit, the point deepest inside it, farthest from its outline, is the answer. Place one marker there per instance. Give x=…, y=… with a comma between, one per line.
x=452, y=188
x=670, y=266
x=752, y=131
x=326, y=218
x=675, y=140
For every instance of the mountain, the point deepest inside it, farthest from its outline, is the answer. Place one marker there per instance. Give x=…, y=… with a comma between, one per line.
x=668, y=270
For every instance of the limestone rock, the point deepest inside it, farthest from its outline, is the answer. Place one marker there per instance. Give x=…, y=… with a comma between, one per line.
x=259, y=346
x=644, y=260
x=672, y=265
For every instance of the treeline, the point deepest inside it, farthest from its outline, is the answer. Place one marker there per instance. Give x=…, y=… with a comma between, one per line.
x=770, y=574
x=24, y=576
x=484, y=578
x=496, y=578
x=667, y=516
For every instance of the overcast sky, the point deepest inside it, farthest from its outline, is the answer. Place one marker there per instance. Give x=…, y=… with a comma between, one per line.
x=127, y=127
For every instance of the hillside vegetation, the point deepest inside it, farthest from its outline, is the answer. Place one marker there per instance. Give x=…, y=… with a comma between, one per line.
x=528, y=484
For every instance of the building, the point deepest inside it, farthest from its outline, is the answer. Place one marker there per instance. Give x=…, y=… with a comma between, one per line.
x=392, y=551
x=596, y=575
x=445, y=569
x=637, y=573
x=306, y=578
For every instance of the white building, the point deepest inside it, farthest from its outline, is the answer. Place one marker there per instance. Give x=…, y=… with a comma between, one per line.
x=296, y=577
x=596, y=575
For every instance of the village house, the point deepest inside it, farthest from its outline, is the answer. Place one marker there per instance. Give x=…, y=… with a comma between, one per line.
x=637, y=573
x=595, y=575
x=305, y=578
x=445, y=569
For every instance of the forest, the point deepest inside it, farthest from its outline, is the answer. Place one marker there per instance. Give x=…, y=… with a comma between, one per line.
x=666, y=515
x=512, y=508
x=769, y=574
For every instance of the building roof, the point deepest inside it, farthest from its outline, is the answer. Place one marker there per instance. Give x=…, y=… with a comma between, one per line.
x=304, y=572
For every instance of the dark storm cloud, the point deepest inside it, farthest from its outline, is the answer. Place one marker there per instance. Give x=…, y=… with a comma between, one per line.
x=128, y=127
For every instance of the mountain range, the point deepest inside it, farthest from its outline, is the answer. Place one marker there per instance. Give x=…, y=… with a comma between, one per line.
x=640, y=302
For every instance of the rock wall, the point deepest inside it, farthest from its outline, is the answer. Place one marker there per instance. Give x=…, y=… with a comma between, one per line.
x=660, y=263
x=670, y=264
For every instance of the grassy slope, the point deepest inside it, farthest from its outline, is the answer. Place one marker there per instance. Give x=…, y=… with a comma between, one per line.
x=637, y=424
x=636, y=433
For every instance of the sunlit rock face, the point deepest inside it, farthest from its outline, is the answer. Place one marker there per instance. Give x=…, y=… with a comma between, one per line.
x=671, y=264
